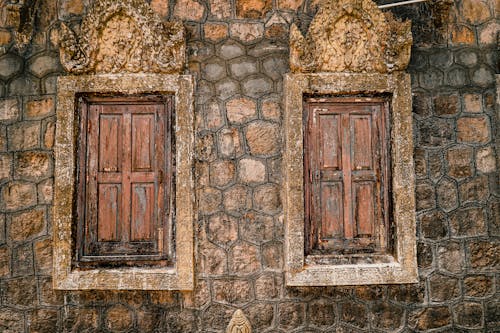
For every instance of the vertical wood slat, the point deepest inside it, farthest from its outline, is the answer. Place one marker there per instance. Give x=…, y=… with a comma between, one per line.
x=108, y=215
x=142, y=142
x=142, y=211
x=110, y=143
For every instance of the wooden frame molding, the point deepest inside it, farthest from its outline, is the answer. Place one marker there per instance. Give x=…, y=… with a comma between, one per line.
x=402, y=266
x=180, y=276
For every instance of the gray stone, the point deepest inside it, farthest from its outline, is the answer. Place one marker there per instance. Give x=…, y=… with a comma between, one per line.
x=436, y=132
x=22, y=264
x=10, y=65
x=441, y=59
x=275, y=66
x=226, y=88
x=431, y=79
x=214, y=70
x=467, y=58
x=243, y=67
x=456, y=77
x=483, y=76
x=256, y=86
x=230, y=50
x=9, y=109
x=447, y=194
x=24, y=86
x=24, y=135
x=43, y=65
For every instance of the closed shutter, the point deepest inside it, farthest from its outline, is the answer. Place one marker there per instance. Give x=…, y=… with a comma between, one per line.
x=127, y=187
x=346, y=176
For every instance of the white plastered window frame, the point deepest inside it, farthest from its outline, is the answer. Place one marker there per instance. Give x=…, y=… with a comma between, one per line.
x=403, y=268
x=180, y=276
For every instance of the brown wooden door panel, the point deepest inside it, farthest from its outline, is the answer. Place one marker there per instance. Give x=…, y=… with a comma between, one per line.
x=127, y=179
x=332, y=210
x=142, y=142
x=345, y=165
x=142, y=217
x=108, y=215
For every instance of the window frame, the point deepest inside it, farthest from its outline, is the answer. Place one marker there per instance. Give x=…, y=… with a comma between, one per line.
x=400, y=266
x=83, y=240
x=380, y=162
x=180, y=274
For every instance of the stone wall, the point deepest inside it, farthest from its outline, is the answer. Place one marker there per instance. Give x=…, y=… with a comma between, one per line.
x=238, y=51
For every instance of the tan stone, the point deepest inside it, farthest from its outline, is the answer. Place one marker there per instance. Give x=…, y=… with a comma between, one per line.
x=485, y=160
x=473, y=129
x=263, y=138
x=126, y=37
x=213, y=116
x=240, y=110
x=5, y=166
x=251, y=171
x=209, y=200
x=237, y=199
x=277, y=31
x=74, y=7
x=215, y=31
x=462, y=34
x=246, y=32
x=272, y=255
x=336, y=41
x=49, y=135
x=222, y=229
x=290, y=4
x=244, y=259
x=18, y=195
x=253, y=9
x=459, y=162
x=271, y=110
x=450, y=257
x=27, y=225
x=222, y=173
x=475, y=11
x=267, y=198
x=188, y=10
x=33, y=165
x=9, y=109
x=5, y=37
x=43, y=256
x=220, y=8
x=119, y=318
x=160, y=7
x=24, y=136
x=40, y=108
x=266, y=287
x=4, y=261
x=488, y=33
x=213, y=259
x=473, y=103
x=232, y=291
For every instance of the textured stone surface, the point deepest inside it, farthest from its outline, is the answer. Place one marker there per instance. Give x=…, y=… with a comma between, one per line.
x=452, y=68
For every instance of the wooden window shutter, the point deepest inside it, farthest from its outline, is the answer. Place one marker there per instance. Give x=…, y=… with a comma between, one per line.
x=125, y=186
x=346, y=176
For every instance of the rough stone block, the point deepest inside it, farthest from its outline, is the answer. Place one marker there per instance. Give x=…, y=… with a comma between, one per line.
x=229, y=143
x=473, y=103
x=468, y=314
x=209, y=200
x=43, y=65
x=242, y=67
x=484, y=255
x=354, y=313
x=9, y=109
x=237, y=199
x=119, y=318
x=256, y=86
x=267, y=198
x=291, y=315
x=475, y=11
x=488, y=33
x=473, y=129
x=215, y=31
x=5, y=166
x=4, y=261
x=230, y=50
x=27, y=225
x=443, y=288
x=20, y=291
x=447, y=195
x=256, y=228
x=436, y=132
x=222, y=229
x=446, y=105
x=433, y=225
x=22, y=260
x=468, y=222
x=459, y=160
x=37, y=109
x=24, y=135
x=227, y=88
x=429, y=318
x=188, y=10
x=272, y=255
x=33, y=165
x=244, y=259
x=478, y=285
x=474, y=190
x=10, y=65
x=240, y=110
x=220, y=8
x=263, y=138
x=425, y=196
x=232, y=291
x=12, y=320
x=450, y=257
x=17, y=195
x=43, y=256
x=252, y=9
x=246, y=32
x=251, y=171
